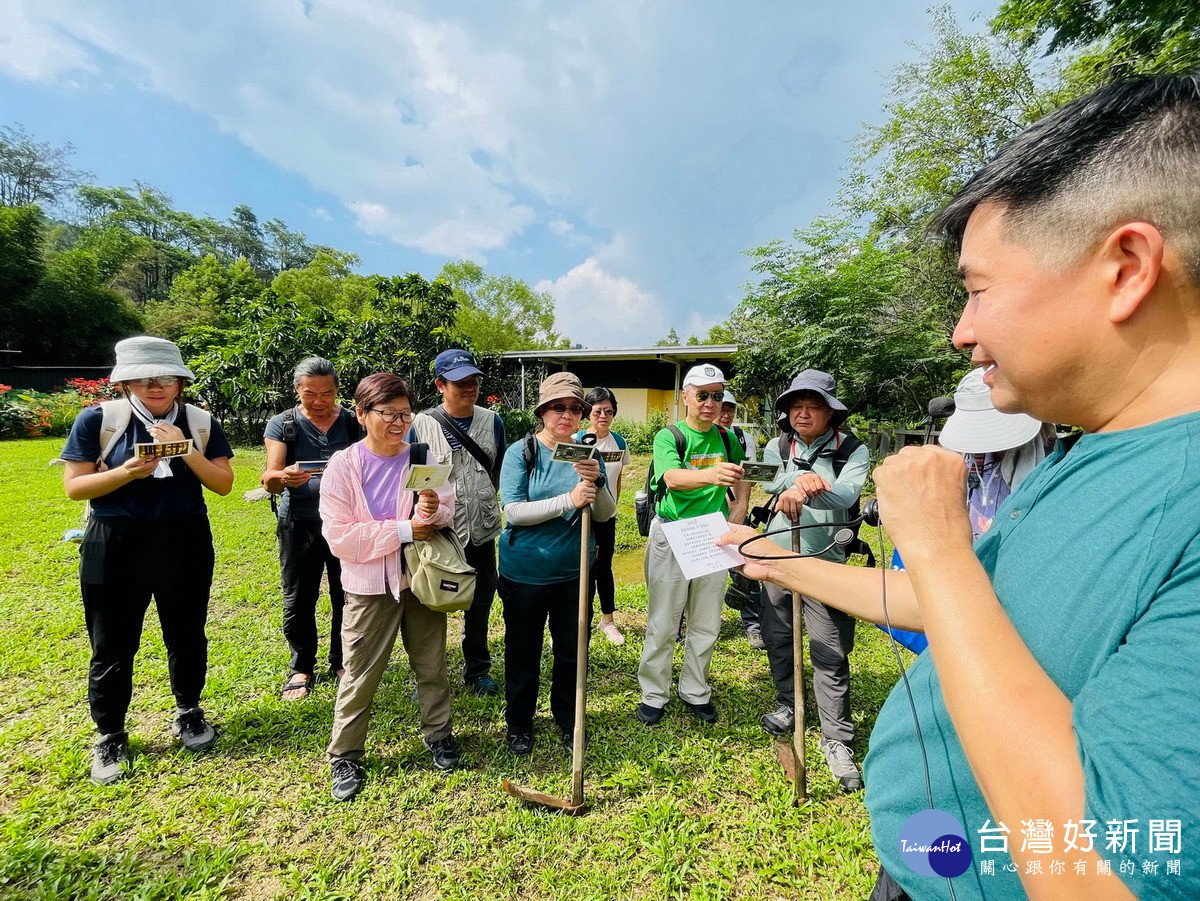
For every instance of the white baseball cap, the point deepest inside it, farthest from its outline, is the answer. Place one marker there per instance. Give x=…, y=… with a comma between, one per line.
x=704, y=374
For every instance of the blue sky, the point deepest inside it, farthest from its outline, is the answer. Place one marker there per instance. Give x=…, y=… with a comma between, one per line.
x=621, y=155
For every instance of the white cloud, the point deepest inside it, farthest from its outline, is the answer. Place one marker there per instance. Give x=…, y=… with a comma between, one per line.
x=692, y=131
x=34, y=49
x=598, y=309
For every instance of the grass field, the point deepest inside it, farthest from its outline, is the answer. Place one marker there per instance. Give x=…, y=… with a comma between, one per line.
x=679, y=810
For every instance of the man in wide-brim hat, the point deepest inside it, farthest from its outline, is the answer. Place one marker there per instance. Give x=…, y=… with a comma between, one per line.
x=824, y=468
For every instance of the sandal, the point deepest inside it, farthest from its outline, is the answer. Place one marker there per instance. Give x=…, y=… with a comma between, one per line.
x=294, y=683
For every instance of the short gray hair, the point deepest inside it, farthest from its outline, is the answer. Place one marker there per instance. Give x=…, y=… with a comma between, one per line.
x=317, y=367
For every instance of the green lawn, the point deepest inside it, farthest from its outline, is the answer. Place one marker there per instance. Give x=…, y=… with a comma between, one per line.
x=679, y=810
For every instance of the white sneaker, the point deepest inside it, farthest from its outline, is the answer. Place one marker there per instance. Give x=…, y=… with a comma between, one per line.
x=612, y=633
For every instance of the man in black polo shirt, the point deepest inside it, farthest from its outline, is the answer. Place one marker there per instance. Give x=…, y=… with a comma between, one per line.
x=297, y=440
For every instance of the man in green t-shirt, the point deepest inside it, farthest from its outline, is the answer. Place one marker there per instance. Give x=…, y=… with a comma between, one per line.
x=695, y=483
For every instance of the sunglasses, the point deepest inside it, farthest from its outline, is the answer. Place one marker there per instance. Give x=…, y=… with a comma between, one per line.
x=702, y=396
x=165, y=381
x=402, y=415
x=602, y=412
x=560, y=409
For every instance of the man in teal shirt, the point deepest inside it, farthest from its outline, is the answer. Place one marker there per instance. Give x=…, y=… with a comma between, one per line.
x=1057, y=697
x=695, y=482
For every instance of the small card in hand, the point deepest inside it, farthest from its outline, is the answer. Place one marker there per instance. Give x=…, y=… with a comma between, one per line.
x=313, y=466
x=158, y=450
x=427, y=475
x=759, y=472
x=565, y=452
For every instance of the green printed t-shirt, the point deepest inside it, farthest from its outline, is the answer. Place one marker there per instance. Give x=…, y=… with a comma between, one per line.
x=701, y=450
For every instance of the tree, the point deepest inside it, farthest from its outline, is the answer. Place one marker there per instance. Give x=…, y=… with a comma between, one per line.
x=498, y=313
x=327, y=280
x=847, y=305
x=245, y=365
x=949, y=111
x=1118, y=37
x=671, y=339
x=32, y=172
x=54, y=307
x=203, y=295
x=164, y=242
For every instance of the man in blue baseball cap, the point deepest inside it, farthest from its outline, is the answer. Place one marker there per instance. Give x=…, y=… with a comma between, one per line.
x=472, y=439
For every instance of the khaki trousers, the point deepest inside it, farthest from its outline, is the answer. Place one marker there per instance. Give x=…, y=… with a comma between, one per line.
x=669, y=594
x=369, y=627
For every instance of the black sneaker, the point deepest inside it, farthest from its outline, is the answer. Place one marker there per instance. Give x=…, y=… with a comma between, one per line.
x=445, y=752
x=484, y=685
x=519, y=742
x=348, y=779
x=110, y=758
x=193, y=732
x=649, y=715
x=705, y=713
x=779, y=721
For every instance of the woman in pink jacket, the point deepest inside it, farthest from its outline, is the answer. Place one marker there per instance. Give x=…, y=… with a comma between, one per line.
x=366, y=518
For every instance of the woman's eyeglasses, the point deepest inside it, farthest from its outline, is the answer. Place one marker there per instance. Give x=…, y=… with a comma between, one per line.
x=392, y=416
x=596, y=412
x=560, y=409
x=165, y=381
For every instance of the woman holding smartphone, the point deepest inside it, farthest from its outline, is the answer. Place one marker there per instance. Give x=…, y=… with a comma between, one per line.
x=539, y=558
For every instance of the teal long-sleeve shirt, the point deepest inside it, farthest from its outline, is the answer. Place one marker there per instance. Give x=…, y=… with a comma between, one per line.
x=828, y=507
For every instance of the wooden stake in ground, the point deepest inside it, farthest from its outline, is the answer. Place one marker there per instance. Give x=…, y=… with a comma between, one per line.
x=575, y=804
x=791, y=755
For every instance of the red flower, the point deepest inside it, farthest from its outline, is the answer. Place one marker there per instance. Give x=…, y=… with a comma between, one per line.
x=493, y=398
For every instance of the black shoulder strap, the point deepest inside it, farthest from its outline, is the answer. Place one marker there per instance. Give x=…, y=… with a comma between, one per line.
x=530, y=453
x=680, y=448
x=289, y=426
x=463, y=438
x=846, y=446
x=354, y=429
x=418, y=454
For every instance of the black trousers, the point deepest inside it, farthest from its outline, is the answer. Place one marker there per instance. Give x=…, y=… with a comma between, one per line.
x=603, y=583
x=303, y=556
x=477, y=659
x=527, y=608
x=123, y=563
x=886, y=889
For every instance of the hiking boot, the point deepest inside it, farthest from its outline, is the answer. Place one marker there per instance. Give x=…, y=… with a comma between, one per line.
x=484, y=685
x=445, y=753
x=520, y=743
x=841, y=764
x=779, y=721
x=754, y=636
x=648, y=715
x=705, y=713
x=110, y=758
x=192, y=731
x=348, y=779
